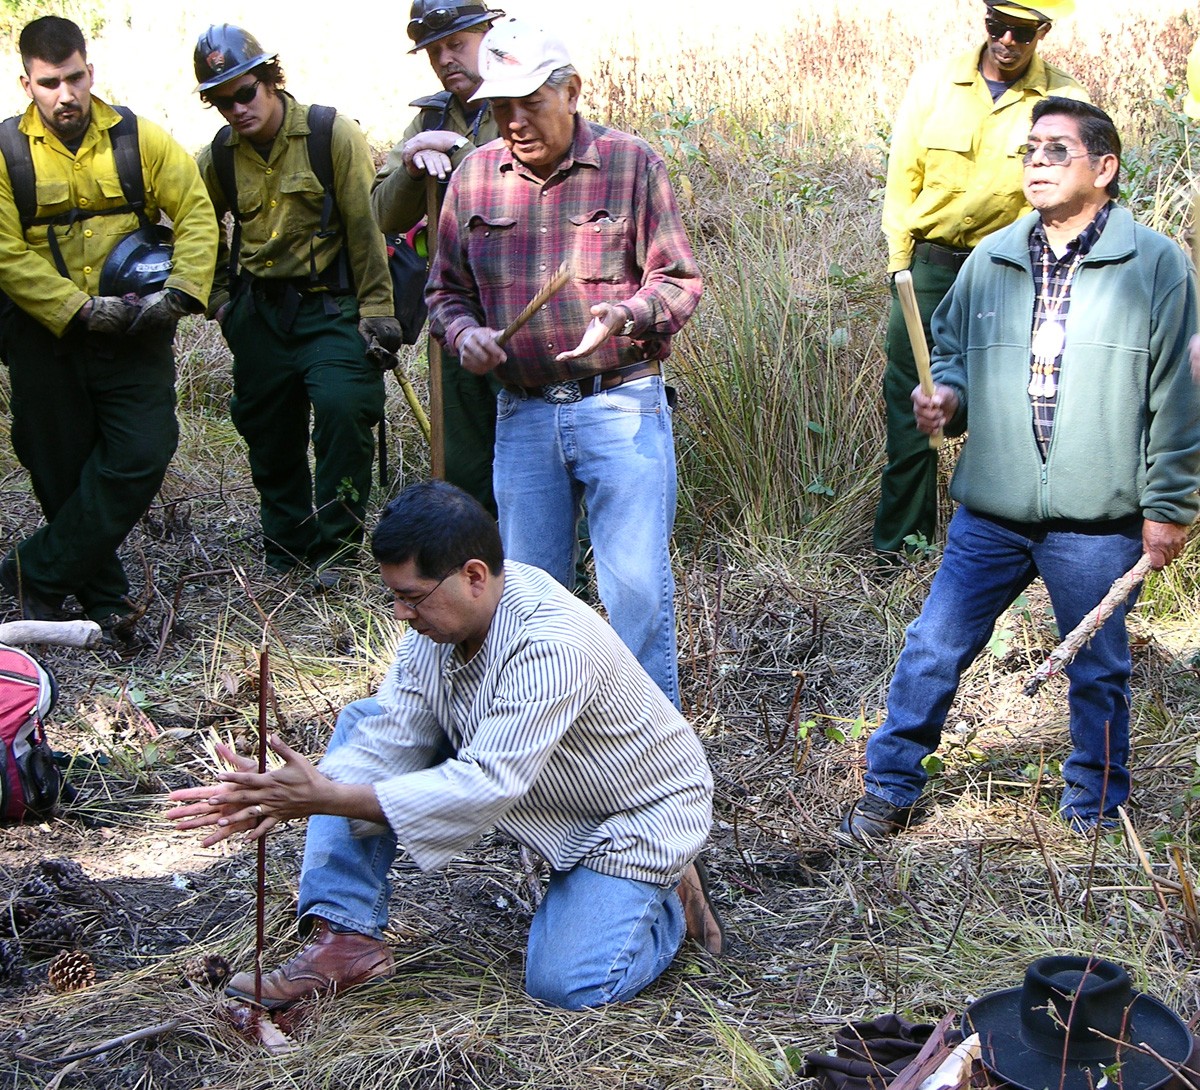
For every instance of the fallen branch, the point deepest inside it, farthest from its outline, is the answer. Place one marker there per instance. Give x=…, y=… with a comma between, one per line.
x=1121, y=589
x=125, y=1039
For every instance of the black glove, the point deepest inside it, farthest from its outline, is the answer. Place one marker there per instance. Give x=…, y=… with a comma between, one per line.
x=109, y=314
x=386, y=330
x=160, y=312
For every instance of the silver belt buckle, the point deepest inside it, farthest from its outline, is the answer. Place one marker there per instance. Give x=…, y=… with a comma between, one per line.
x=561, y=393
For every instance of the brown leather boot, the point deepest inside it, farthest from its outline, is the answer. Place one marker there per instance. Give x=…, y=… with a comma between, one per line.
x=703, y=923
x=333, y=961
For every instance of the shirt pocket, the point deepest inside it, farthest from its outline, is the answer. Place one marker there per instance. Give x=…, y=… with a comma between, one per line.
x=303, y=198
x=948, y=160
x=490, y=249
x=52, y=195
x=598, y=246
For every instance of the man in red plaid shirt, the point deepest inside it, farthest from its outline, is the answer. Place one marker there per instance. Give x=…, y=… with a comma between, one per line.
x=584, y=415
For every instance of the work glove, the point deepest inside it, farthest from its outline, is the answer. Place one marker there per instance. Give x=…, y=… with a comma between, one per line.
x=384, y=338
x=159, y=312
x=109, y=314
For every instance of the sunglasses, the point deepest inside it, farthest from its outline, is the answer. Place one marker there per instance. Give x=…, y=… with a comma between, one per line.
x=1054, y=152
x=243, y=96
x=1022, y=33
x=440, y=18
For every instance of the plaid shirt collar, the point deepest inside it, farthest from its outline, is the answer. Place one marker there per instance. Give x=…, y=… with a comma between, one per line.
x=582, y=151
x=1081, y=244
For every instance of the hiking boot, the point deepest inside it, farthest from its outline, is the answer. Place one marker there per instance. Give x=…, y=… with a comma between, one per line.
x=332, y=962
x=700, y=914
x=325, y=580
x=873, y=818
x=32, y=607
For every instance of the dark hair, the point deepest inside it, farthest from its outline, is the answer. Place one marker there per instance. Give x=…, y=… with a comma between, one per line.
x=52, y=39
x=438, y=527
x=1096, y=130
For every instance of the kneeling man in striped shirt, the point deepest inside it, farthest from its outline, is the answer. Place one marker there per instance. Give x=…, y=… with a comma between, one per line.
x=512, y=705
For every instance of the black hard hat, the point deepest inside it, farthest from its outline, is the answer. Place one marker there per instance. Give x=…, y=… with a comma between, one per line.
x=140, y=263
x=224, y=52
x=432, y=20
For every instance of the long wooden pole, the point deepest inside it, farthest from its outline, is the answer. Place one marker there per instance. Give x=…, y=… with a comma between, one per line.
x=552, y=286
x=437, y=416
x=260, y=887
x=916, y=337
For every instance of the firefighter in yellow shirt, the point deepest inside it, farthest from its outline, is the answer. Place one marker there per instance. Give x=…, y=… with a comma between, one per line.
x=307, y=306
x=954, y=176
x=87, y=336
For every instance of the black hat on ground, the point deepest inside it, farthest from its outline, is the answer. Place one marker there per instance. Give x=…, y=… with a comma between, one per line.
x=1072, y=1020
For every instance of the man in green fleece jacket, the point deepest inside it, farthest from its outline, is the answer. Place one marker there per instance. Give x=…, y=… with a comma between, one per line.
x=1063, y=346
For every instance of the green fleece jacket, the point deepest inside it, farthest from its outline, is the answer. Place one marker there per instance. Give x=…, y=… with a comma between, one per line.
x=1126, y=436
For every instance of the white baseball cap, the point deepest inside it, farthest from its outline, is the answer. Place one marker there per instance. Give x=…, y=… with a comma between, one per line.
x=515, y=58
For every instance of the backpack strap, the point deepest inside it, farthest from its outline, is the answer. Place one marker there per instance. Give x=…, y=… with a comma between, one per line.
x=222, y=161
x=14, y=146
x=128, y=157
x=320, y=158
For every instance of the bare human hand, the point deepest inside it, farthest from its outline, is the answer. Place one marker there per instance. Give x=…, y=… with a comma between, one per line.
x=934, y=412
x=607, y=318
x=1163, y=541
x=478, y=351
x=429, y=153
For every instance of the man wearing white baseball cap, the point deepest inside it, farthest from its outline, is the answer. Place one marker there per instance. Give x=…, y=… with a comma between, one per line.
x=584, y=415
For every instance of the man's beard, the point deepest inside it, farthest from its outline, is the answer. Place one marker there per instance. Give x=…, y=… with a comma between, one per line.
x=70, y=126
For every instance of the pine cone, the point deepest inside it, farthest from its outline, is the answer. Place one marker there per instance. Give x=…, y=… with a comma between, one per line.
x=38, y=890
x=50, y=932
x=207, y=970
x=71, y=882
x=10, y=959
x=71, y=970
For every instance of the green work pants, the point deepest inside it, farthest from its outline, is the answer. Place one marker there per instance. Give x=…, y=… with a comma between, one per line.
x=908, y=494
x=469, y=429
x=288, y=378
x=93, y=421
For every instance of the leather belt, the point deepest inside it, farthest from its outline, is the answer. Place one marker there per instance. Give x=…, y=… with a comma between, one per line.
x=934, y=253
x=566, y=393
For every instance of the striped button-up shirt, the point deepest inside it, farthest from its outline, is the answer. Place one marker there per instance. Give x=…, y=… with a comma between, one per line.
x=551, y=732
x=608, y=211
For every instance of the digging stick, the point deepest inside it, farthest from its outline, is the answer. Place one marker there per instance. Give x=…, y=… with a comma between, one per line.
x=1196, y=242
x=260, y=885
x=916, y=337
x=437, y=421
x=1121, y=589
x=60, y=633
x=561, y=275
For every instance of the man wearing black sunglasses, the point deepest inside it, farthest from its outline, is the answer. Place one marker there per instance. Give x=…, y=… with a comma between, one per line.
x=304, y=296
x=446, y=129
x=954, y=176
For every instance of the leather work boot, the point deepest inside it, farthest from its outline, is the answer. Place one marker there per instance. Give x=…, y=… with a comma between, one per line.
x=33, y=608
x=332, y=962
x=703, y=922
x=872, y=818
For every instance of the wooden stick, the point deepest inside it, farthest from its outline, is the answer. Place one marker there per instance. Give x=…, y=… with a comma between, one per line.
x=916, y=337
x=61, y=633
x=1121, y=589
x=437, y=412
x=561, y=275
x=260, y=887
x=117, y=1042
x=414, y=405
x=1196, y=242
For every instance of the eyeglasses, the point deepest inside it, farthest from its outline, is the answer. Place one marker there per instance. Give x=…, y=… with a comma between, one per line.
x=1053, y=152
x=413, y=605
x=1022, y=33
x=243, y=96
x=440, y=18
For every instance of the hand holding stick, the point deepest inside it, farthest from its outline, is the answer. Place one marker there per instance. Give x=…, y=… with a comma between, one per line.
x=916, y=337
x=1121, y=589
x=561, y=275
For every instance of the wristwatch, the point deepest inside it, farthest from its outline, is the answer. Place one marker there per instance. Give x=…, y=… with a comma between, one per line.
x=627, y=329
x=461, y=142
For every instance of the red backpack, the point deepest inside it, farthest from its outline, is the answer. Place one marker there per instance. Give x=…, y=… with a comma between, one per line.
x=30, y=781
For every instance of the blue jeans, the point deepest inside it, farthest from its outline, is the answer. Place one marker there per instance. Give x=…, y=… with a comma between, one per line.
x=595, y=939
x=987, y=563
x=615, y=453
